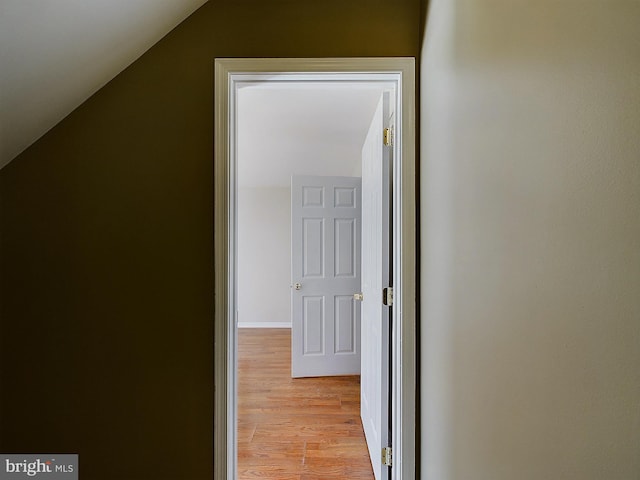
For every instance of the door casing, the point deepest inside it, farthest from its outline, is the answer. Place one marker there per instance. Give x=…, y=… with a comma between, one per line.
x=230, y=74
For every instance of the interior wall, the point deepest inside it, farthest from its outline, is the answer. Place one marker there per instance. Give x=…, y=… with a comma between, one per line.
x=264, y=257
x=530, y=218
x=106, y=253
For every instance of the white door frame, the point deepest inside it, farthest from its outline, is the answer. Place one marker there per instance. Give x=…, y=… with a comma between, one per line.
x=229, y=76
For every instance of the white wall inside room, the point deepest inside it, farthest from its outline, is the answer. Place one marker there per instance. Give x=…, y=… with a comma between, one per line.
x=530, y=240
x=299, y=129
x=264, y=265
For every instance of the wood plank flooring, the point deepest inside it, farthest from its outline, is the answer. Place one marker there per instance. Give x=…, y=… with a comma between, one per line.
x=295, y=429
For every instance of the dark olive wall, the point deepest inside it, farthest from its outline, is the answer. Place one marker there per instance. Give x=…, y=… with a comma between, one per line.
x=106, y=253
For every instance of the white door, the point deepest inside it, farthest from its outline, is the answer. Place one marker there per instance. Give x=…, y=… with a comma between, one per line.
x=325, y=274
x=376, y=199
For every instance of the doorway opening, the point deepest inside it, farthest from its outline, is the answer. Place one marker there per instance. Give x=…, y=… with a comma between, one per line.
x=232, y=75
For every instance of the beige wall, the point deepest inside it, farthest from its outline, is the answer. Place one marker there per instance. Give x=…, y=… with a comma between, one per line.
x=106, y=260
x=531, y=240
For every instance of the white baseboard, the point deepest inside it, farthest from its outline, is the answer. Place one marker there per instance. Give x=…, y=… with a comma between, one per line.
x=264, y=325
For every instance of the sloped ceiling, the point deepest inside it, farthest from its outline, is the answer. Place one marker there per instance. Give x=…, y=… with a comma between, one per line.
x=56, y=54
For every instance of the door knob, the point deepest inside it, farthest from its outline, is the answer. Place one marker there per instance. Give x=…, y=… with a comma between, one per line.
x=358, y=296
x=296, y=286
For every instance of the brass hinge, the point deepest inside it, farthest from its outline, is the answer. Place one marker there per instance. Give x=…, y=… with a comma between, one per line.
x=387, y=137
x=387, y=296
x=387, y=456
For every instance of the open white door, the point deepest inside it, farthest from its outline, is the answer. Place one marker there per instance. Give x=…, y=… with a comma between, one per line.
x=376, y=233
x=325, y=274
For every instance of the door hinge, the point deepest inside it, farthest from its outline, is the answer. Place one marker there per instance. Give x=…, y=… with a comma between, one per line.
x=387, y=456
x=387, y=296
x=387, y=137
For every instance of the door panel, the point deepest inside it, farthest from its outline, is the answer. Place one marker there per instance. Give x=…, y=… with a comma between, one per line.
x=313, y=321
x=345, y=321
x=376, y=181
x=325, y=263
x=312, y=248
x=345, y=247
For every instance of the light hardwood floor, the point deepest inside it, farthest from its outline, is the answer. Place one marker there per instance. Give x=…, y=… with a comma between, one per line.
x=295, y=429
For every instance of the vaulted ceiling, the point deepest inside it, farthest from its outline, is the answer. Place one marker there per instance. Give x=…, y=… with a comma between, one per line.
x=56, y=54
